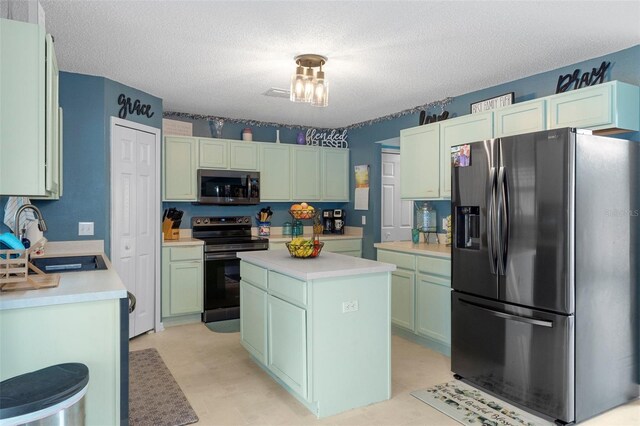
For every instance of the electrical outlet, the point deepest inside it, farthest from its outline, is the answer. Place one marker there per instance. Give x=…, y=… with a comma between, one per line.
x=350, y=306
x=85, y=228
x=364, y=220
x=444, y=224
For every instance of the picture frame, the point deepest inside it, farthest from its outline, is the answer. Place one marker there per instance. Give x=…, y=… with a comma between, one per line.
x=492, y=103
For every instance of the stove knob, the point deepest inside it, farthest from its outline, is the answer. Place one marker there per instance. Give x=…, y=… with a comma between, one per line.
x=246, y=220
x=197, y=221
x=206, y=221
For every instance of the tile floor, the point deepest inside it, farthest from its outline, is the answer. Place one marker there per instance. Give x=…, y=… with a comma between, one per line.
x=225, y=387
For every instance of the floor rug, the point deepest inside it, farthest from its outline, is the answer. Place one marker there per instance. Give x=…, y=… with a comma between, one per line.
x=470, y=406
x=154, y=396
x=228, y=326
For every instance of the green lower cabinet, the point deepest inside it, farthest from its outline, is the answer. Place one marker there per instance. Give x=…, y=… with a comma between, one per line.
x=329, y=357
x=421, y=298
x=182, y=281
x=287, y=331
x=402, y=299
x=253, y=320
x=434, y=308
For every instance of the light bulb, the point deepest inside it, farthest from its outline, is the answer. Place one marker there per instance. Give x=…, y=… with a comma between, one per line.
x=297, y=85
x=309, y=84
x=321, y=91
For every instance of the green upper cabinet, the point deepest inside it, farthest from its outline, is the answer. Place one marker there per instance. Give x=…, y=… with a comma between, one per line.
x=243, y=156
x=180, y=158
x=23, y=108
x=213, y=154
x=420, y=159
x=525, y=117
x=465, y=129
x=610, y=107
x=53, y=126
x=305, y=176
x=275, y=172
x=335, y=174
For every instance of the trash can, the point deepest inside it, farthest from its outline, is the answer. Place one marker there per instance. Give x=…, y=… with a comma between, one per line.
x=46, y=397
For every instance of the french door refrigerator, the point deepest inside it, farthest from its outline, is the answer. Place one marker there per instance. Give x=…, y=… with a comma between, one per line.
x=545, y=270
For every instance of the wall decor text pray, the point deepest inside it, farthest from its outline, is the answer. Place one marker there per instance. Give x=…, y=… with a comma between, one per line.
x=596, y=76
x=331, y=138
x=127, y=107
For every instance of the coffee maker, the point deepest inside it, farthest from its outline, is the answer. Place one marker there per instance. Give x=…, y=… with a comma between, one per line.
x=333, y=221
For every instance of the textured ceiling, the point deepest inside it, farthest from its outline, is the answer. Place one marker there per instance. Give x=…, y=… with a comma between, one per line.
x=219, y=57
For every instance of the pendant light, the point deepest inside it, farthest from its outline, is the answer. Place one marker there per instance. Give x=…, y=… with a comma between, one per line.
x=308, y=86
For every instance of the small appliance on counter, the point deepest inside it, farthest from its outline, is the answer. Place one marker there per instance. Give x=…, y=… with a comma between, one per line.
x=171, y=220
x=333, y=221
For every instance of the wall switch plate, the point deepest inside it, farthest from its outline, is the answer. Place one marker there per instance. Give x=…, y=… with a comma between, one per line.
x=85, y=228
x=364, y=220
x=444, y=224
x=350, y=306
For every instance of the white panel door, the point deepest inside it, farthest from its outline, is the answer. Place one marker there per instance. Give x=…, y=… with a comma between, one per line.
x=133, y=195
x=397, y=214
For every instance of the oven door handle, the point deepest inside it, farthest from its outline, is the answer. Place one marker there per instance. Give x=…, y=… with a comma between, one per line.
x=220, y=256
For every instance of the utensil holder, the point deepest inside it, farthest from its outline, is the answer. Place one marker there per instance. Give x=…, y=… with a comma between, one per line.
x=264, y=229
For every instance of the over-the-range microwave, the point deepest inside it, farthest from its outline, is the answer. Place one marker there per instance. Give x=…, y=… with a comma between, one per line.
x=231, y=187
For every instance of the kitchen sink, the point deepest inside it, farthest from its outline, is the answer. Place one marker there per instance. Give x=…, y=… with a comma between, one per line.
x=50, y=265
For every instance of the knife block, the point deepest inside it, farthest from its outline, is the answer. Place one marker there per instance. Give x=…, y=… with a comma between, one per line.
x=169, y=232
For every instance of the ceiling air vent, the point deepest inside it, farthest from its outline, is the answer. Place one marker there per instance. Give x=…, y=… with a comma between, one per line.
x=277, y=93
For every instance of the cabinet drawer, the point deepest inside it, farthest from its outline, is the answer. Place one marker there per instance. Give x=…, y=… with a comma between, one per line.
x=434, y=266
x=401, y=260
x=185, y=253
x=339, y=246
x=287, y=288
x=253, y=274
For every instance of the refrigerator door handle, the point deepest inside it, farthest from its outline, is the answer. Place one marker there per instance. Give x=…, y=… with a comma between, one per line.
x=527, y=320
x=491, y=228
x=502, y=234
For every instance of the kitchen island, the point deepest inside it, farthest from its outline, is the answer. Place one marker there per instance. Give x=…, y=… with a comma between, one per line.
x=84, y=319
x=320, y=327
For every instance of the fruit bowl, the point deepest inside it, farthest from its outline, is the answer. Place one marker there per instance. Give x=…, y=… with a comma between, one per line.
x=303, y=213
x=305, y=249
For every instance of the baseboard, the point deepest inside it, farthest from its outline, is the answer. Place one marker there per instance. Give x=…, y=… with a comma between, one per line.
x=424, y=341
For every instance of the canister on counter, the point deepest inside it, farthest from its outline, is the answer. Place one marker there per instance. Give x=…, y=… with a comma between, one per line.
x=286, y=228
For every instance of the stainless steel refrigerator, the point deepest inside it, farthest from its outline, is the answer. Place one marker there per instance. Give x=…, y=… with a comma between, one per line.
x=545, y=270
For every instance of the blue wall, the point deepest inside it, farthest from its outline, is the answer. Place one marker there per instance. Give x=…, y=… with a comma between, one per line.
x=89, y=103
x=624, y=67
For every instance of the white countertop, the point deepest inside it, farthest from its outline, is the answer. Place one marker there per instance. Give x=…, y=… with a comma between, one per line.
x=439, y=250
x=74, y=287
x=183, y=241
x=326, y=265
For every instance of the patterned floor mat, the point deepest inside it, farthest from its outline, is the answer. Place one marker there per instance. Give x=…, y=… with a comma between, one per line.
x=470, y=406
x=154, y=396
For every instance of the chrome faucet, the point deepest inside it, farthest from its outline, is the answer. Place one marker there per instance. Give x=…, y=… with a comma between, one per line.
x=41, y=223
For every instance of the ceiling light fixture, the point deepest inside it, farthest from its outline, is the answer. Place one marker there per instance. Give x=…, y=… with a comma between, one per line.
x=309, y=86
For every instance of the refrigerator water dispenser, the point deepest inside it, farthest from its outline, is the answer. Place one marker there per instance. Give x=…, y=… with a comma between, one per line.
x=468, y=227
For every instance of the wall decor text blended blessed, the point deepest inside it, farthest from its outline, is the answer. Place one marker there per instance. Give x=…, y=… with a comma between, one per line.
x=330, y=139
x=137, y=107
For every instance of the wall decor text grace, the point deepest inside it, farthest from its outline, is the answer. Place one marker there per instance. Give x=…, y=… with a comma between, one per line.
x=126, y=107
